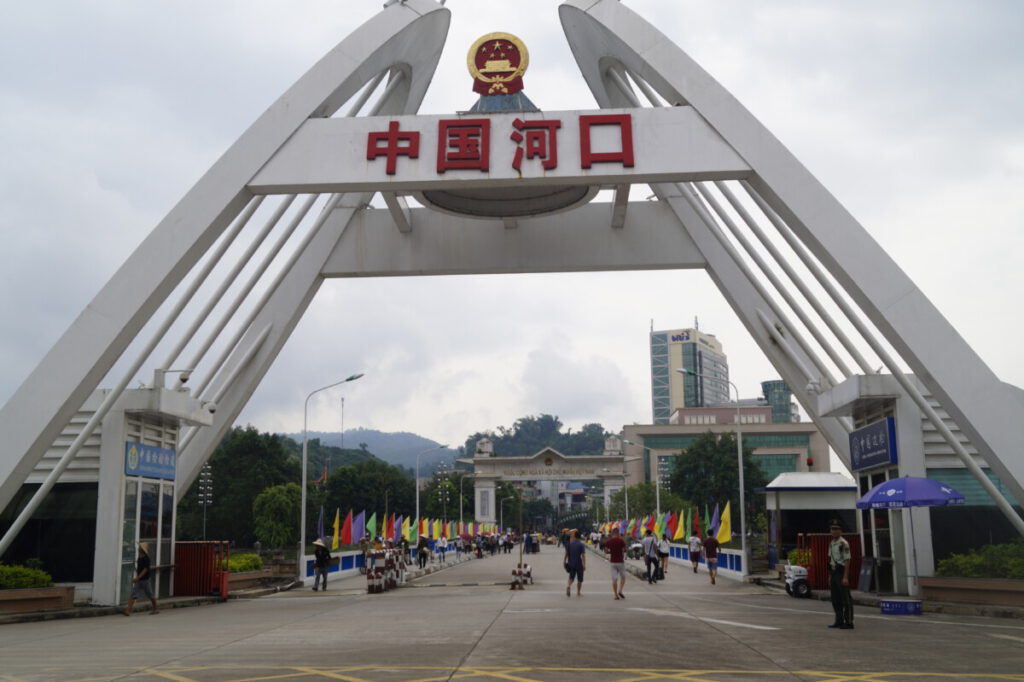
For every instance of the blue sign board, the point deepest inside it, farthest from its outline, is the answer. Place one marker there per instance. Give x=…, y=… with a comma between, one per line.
x=149, y=461
x=873, y=445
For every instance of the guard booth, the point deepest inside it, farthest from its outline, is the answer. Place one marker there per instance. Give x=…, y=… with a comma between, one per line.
x=803, y=503
x=137, y=486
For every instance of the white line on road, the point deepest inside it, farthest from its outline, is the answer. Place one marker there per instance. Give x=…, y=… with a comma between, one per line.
x=859, y=614
x=1009, y=637
x=680, y=614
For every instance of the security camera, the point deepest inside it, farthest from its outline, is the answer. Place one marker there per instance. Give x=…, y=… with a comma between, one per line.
x=210, y=407
x=185, y=376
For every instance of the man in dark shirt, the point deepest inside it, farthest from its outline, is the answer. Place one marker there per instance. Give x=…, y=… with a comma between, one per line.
x=142, y=586
x=711, y=547
x=616, y=548
x=575, y=562
x=321, y=561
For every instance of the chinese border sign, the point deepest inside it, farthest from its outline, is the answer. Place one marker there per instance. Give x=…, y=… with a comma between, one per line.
x=667, y=144
x=873, y=445
x=149, y=461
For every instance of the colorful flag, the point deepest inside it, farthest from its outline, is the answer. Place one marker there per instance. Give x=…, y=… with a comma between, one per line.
x=407, y=529
x=707, y=520
x=713, y=529
x=346, y=530
x=672, y=525
x=371, y=526
x=337, y=528
x=437, y=529
x=681, y=526
x=725, y=530
x=320, y=525
x=359, y=526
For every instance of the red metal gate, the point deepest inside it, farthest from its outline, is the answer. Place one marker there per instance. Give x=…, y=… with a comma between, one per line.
x=201, y=568
x=817, y=572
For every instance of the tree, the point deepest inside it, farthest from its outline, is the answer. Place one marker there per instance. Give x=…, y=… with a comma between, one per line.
x=370, y=485
x=707, y=473
x=275, y=513
x=532, y=434
x=643, y=499
x=244, y=464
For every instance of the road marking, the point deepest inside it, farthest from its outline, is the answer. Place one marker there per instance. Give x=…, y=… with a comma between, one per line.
x=534, y=610
x=680, y=614
x=423, y=673
x=1009, y=637
x=859, y=612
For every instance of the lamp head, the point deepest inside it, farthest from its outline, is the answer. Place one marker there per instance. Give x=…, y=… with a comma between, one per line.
x=353, y=377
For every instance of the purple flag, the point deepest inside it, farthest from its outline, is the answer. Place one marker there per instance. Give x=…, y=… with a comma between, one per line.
x=320, y=525
x=397, y=535
x=714, y=522
x=359, y=527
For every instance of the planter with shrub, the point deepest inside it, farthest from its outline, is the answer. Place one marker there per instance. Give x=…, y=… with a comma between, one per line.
x=25, y=589
x=991, y=575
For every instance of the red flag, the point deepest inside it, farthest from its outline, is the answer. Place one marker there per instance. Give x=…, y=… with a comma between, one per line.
x=696, y=522
x=346, y=530
x=650, y=523
x=672, y=524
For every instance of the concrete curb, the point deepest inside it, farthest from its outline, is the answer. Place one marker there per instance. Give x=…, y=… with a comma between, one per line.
x=872, y=601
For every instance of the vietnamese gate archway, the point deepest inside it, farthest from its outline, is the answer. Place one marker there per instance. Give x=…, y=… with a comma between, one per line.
x=499, y=192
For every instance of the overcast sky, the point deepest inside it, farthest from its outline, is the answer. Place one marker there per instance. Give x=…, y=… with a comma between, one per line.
x=910, y=113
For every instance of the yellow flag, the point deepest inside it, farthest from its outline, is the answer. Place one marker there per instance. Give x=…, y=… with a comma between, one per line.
x=680, y=527
x=725, y=526
x=337, y=528
x=437, y=529
x=405, y=529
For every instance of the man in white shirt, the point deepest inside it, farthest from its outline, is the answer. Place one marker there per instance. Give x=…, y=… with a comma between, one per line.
x=695, y=548
x=650, y=549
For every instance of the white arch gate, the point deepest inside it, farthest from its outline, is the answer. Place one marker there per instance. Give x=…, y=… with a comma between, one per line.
x=731, y=200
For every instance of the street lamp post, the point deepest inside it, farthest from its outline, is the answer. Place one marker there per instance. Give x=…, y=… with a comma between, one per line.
x=739, y=458
x=461, y=505
x=657, y=477
x=305, y=448
x=501, y=521
x=423, y=452
x=625, y=479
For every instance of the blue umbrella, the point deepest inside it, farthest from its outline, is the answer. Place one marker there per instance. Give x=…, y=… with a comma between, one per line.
x=909, y=491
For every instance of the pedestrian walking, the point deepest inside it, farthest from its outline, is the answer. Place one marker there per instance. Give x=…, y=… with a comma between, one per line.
x=321, y=561
x=441, y=546
x=695, y=549
x=616, y=549
x=422, y=551
x=575, y=562
x=711, y=547
x=839, y=565
x=650, y=550
x=663, y=552
x=142, y=585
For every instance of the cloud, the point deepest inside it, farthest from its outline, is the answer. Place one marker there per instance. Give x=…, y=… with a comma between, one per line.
x=909, y=113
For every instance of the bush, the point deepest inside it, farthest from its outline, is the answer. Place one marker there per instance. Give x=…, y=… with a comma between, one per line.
x=244, y=562
x=19, y=577
x=799, y=557
x=991, y=561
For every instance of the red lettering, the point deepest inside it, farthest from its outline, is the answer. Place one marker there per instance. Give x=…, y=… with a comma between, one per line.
x=541, y=141
x=393, y=148
x=463, y=144
x=625, y=153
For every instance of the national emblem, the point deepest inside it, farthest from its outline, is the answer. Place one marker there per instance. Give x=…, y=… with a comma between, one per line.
x=497, y=62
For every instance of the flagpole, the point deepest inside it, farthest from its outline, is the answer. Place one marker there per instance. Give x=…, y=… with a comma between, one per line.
x=305, y=446
x=739, y=457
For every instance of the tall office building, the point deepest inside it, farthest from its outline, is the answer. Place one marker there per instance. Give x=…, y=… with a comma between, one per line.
x=693, y=350
x=778, y=395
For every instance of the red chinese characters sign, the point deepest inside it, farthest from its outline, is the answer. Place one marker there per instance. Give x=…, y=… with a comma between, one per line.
x=465, y=144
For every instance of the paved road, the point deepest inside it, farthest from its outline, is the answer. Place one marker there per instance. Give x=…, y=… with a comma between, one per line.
x=457, y=624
